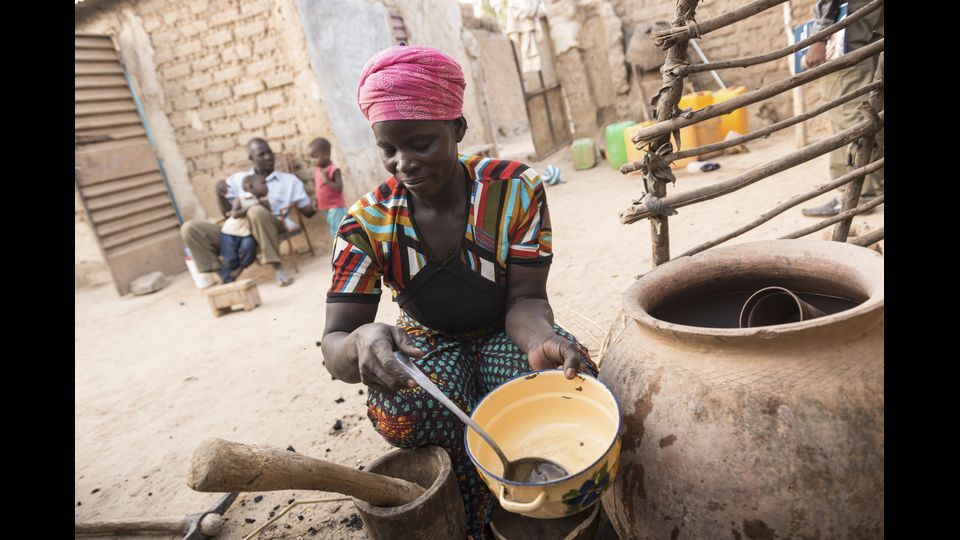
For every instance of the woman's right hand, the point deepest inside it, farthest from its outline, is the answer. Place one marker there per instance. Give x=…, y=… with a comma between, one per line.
x=376, y=343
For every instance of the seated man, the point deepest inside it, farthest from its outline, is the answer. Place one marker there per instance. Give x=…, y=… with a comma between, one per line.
x=283, y=190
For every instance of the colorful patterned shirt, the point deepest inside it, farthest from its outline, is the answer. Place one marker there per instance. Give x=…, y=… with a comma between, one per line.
x=508, y=223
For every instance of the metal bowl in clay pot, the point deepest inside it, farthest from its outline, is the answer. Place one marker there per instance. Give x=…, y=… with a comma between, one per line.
x=573, y=422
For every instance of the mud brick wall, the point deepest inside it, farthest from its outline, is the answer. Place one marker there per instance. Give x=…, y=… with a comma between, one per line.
x=225, y=71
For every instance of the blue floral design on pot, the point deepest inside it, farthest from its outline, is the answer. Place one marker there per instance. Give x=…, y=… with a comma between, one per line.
x=579, y=499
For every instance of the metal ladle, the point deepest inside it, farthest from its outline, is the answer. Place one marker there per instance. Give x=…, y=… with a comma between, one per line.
x=528, y=469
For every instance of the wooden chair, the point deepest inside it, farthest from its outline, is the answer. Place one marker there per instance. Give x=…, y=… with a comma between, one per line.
x=288, y=236
x=288, y=163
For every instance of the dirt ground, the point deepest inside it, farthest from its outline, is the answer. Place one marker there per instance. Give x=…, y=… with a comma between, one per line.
x=155, y=375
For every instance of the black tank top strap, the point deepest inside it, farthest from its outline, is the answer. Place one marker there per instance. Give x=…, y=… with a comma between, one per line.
x=446, y=295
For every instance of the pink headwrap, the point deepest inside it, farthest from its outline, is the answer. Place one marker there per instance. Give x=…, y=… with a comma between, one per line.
x=411, y=83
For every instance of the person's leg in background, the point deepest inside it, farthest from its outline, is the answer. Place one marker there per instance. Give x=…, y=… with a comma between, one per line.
x=247, y=252
x=844, y=117
x=230, y=251
x=265, y=228
x=203, y=241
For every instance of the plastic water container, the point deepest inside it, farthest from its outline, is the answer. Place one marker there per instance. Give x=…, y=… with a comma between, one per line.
x=584, y=154
x=704, y=132
x=696, y=100
x=736, y=120
x=633, y=154
x=200, y=279
x=616, y=149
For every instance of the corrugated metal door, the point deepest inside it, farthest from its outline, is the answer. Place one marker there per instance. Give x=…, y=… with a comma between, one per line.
x=117, y=173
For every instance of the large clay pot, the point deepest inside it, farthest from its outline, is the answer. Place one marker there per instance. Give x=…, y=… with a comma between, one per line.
x=754, y=433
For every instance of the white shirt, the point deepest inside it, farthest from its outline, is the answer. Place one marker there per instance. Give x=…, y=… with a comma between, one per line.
x=283, y=190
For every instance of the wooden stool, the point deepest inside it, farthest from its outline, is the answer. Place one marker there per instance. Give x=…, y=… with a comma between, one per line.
x=241, y=293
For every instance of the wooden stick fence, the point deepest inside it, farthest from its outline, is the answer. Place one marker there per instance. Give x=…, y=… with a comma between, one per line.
x=868, y=239
x=794, y=201
x=656, y=206
x=680, y=34
x=644, y=210
x=772, y=128
x=712, y=111
x=835, y=219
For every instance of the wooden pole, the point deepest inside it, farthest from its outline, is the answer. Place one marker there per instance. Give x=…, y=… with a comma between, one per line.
x=706, y=149
x=666, y=105
x=870, y=238
x=640, y=211
x=800, y=133
x=794, y=201
x=851, y=194
x=223, y=466
x=210, y=525
x=792, y=47
x=645, y=110
x=772, y=128
x=680, y=32
x=846, y=214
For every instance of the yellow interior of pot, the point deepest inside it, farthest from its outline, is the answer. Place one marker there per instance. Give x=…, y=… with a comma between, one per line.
x=572, y=422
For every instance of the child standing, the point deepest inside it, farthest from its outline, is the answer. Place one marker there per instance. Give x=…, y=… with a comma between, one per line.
x=328, y=183
x=237, y=245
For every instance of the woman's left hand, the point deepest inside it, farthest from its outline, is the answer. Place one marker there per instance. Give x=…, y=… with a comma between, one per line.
x=555, y=351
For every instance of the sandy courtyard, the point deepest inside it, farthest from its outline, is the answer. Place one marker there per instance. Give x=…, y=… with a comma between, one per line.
x=157, y=374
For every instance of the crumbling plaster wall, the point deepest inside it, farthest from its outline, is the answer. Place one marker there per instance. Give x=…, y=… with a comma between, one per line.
x=588, y=43
x=341, y=35
x=439, y=24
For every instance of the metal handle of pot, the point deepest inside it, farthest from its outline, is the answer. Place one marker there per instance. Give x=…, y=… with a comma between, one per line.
x=518, y=507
